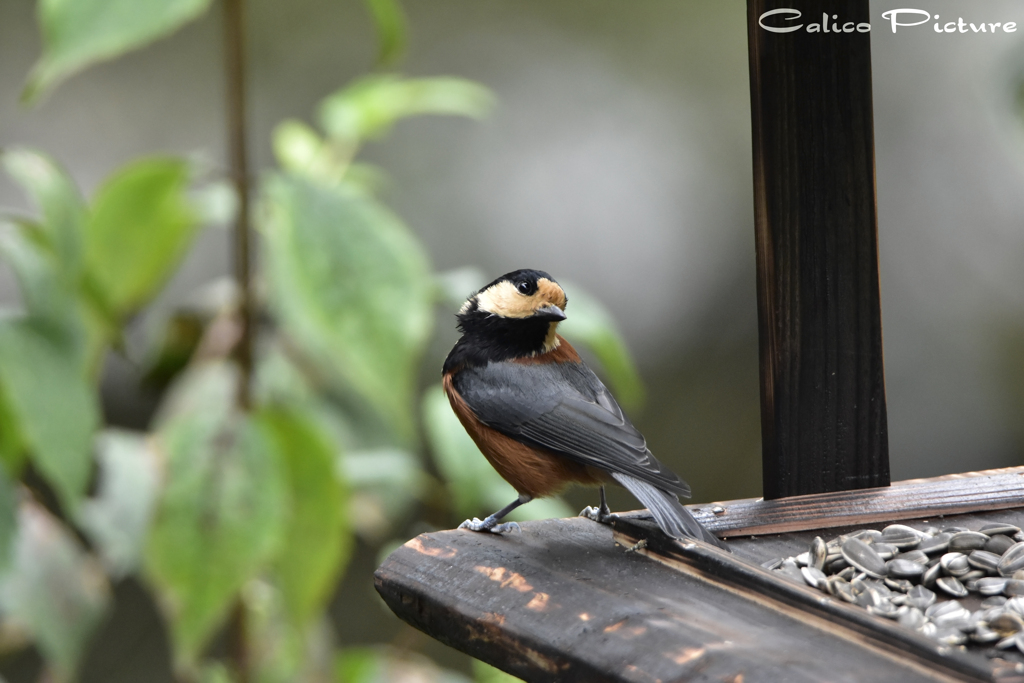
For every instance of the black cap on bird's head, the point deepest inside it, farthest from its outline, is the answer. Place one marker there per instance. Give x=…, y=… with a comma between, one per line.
x=521, y=294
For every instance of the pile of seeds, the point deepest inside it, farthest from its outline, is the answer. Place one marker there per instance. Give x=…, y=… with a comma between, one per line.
x=926, y=580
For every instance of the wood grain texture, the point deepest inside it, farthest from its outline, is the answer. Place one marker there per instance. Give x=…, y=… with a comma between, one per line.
x=694, y=558
x=561, y=602
x=1001, y=489
x=823, y=415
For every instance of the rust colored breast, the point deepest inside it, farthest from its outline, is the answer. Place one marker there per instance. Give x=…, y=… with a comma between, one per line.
x=537, y=472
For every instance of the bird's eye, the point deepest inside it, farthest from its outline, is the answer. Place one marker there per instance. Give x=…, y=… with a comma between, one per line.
x=523, y=287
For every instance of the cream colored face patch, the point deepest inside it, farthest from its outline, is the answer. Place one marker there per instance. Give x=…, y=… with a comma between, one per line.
x=505, y=300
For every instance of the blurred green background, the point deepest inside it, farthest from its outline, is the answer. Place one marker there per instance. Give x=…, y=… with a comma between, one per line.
x=605, y=142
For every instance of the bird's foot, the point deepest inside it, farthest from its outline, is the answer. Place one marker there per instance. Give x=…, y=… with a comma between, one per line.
x=489, y=524
x=599, y=515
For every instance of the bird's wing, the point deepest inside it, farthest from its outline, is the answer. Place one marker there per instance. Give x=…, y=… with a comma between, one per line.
x=565, y=408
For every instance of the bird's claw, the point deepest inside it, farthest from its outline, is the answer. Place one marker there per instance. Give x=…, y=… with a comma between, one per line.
x=488, y=524
x=598, y=515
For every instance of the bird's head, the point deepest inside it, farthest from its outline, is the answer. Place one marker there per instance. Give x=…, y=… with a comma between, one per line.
x=523, y=305
x=521, y=294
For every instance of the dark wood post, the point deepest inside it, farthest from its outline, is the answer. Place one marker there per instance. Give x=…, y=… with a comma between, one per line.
x=823, y=419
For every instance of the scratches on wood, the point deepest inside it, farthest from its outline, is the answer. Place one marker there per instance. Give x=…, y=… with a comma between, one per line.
x=609, y=615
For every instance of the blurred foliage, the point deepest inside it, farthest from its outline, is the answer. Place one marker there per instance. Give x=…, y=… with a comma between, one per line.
x=238, y=513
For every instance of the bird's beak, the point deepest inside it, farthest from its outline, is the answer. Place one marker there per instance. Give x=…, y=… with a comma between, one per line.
x=551, y=312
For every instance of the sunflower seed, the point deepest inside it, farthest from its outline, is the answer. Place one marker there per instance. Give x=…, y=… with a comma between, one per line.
x=818, y=553
x=991, y=585
x=900, y=585
x=1006, y=643
x=999, y=544
x=966, y=541
x=938, y=543
x=884, y=609
x=886, y=551
x=1015, y=605
x=951, y=586
x=830, y=584
x=904, y=569
x=1007, y=623
x=951, y=617
x=913, y=618
x=1013, y=559
x=901, y=536
x=813, y=577
x=993, y=601
x=931, y=575
x=844, y=591
x=863, y=557
x=950, y=636
x=920, y=597
x=939, y=608
x=866, y=535
x=913, y=556
x=955, y=564
x=984, y=560
x=790, y=570
x=999, y=528
x=984, y=635
x=1013, y=587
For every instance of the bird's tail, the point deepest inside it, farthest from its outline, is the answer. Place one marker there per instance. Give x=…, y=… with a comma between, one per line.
x=674, y=519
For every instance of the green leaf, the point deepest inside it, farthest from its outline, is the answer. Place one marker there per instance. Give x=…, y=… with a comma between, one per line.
x=141, y=226
x=53, y=589
x=385, y=483
x=485, y=673
x=476, y=488
x=223, y=508
x=590, y=323
x=58, y=199
x=117, y=519
x=297, y=146
x=45, y=291
x=318, y=540
x=56, y=411
x=351, y=288
x=77, y=33
x=8, y=518
x=464, y=468
x=386, y=665
x=12, y=442
x=390, y=21
x=368, y=108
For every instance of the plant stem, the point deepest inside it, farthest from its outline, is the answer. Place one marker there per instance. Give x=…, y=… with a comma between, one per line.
x=238, y=642
x=238, y=158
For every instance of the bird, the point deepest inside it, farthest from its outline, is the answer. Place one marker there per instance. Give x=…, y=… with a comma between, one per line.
x=541, y=417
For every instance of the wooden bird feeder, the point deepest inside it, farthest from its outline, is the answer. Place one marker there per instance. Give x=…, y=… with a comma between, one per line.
x=572, y=600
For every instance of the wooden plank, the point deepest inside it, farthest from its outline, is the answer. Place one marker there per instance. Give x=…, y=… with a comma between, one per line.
x=691, y=558
x=562, y=602
x=911, y=499
x=823, y=415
